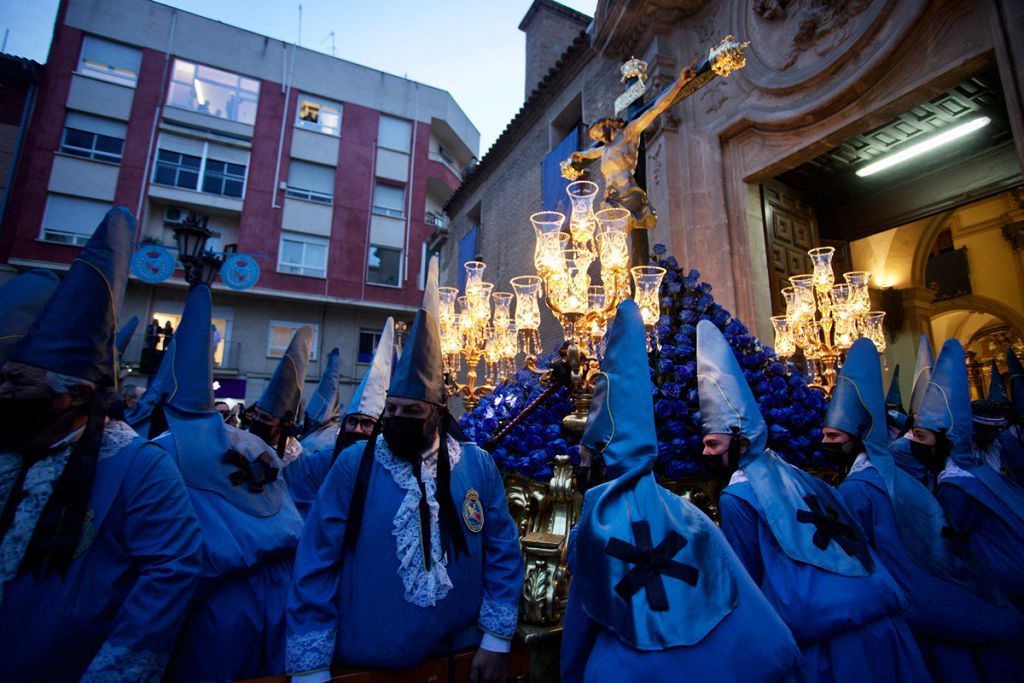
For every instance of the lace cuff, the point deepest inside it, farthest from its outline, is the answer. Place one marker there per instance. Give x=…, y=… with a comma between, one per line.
x=498, y=618
x=309, y=651
x=114, y=663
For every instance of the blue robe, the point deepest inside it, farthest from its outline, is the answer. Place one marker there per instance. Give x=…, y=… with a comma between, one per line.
x=993, y=535
x=322, y=437
x=592, y=653
x=236, y=627
x=1011, y=453
x=962, y=636
x=118, y=612
x=359, y=609
x=837, y=620
x=307, y=474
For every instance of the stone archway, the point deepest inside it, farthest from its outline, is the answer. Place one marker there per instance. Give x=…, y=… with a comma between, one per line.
x=980, y=304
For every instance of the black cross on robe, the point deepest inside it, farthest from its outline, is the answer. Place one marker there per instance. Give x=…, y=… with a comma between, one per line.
x=651, y=563
x=828, y=528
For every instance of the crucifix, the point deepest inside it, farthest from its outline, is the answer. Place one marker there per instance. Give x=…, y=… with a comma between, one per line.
x=617, y=141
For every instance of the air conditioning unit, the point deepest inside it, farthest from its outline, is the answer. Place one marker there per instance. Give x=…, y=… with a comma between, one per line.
x=175, y=215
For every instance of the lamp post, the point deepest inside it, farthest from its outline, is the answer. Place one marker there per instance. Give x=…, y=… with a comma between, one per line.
x=200, y=265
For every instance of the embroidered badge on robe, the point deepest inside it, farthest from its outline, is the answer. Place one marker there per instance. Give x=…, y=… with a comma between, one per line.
x=473, y=511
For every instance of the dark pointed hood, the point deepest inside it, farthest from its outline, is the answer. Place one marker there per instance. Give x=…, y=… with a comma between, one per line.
x=124, y=335
x=185, y=376
x=419, y=374
x=996, y=388
x=323, y=404
x=1015, y=378
x=922, y=373
x=74, y=335
x=894, y=397
x=283, y=392
x=21, y=301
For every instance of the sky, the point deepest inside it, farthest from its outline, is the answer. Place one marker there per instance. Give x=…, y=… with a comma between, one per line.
x=471, y=48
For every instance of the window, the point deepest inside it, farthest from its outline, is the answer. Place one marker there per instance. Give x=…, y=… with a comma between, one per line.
x=109, y=61
x=302, y=255
x=281, y=334
x=71, y=220
x=211, y=91
x=394, y=134
x=178, y=169
x=219, y=330
x=384, y=266
x=313, y=182
x=368, y=341
x=93, y=137
x=224, y=178
x=322, y=116
x=389, y=200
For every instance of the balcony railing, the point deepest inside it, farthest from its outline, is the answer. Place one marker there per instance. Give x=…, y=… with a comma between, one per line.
x=437, y=220
x=146, y=358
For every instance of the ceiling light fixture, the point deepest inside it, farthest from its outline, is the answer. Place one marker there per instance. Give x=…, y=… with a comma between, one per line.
x=948, y=136
x=200, y=95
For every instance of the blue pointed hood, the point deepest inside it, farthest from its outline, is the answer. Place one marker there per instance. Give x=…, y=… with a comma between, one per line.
x=21, y=301
x=858, y=408
x=1015, y=377
x=185, y=376
x=996, y=388
x=633, y=512
x=74, y=335
x=420, y=375
x=620, y=424
x=726, y=401
x=283, y=393
x=922, y=373
x=786, y=494
x=431, y=292
x=947, y=408
x=124, y=335
x=894, y=397
x=372, y=391
x=946, y=404
x=323, y=404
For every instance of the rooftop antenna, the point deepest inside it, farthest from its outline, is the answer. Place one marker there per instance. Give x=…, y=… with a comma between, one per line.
x=331, y=36
x=299, y=43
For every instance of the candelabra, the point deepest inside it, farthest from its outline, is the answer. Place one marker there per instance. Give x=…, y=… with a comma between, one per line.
x=823, y=319
x=476, y=333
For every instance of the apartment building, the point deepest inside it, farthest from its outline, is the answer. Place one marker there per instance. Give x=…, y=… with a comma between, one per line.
x=333, y=175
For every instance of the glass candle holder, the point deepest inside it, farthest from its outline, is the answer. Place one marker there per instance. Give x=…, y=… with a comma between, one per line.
x=581, y=219
x=872, y=327
x=613, y=249
x=446, y=297
x=789, y=296
x=647, y=286
x=803, y=288
x=573, y=298
x=502, y=310
x=549, y=254
x=821, y=259
x=527, y=321
x=785, y=345
x=474, y=273
x=860, y=297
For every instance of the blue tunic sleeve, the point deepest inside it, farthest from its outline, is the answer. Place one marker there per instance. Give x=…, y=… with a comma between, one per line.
x=860, y=506
x=305, y=477
x=312, y=605
x=503, y=561
x=739, y=525
x=579, y=632
x=162, y=537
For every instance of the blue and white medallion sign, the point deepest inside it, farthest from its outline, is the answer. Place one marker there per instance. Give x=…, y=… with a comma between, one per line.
x=153, y=264
x=240, y=271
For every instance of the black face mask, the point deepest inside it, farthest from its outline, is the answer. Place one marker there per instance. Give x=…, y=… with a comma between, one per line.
x=931, y=457
x=262, y=430
x=985, y=436
x=841, y=455
x=406, y=436
x=21, y=419
x=346, y=439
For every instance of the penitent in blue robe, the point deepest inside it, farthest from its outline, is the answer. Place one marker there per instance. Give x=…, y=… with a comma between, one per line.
x=849, y=628
x=993, y=533
x=1011, y=453
x=236, y=627
x=306, y=475
x=117, y=614
x=962, y=636
x=363, y=608
x=593, y=653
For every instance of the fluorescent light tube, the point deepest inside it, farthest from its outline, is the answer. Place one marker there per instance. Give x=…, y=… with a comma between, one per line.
x=943, y=138
x=199, y=91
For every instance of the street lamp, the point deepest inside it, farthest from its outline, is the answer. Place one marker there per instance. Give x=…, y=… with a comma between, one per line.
x=199, y=264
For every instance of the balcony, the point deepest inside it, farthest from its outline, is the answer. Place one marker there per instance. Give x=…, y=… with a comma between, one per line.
x=147, y=360
x=437, y=220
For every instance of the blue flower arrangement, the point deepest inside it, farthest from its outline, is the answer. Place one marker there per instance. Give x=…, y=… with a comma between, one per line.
x=793, y=411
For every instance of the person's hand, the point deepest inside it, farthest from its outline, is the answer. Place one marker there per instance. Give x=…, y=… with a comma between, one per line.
x=488, y=667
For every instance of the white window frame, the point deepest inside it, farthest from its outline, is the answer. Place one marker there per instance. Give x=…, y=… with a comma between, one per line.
x=278, y=351
x=91, y=152
x=305, y=240
x=243, y=94
x=298, y=192
x=203, y=158
x=408, y=141
x=107, y=72
x=401, y=266
x=386, y=210
x=77, y=239
x=323, y=104
x=376, y=334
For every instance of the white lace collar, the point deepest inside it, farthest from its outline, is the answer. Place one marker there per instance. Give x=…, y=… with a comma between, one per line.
x=423, y=587
x=862, y=462
x=738, y=477
x=292, y=451
x=953, y=470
